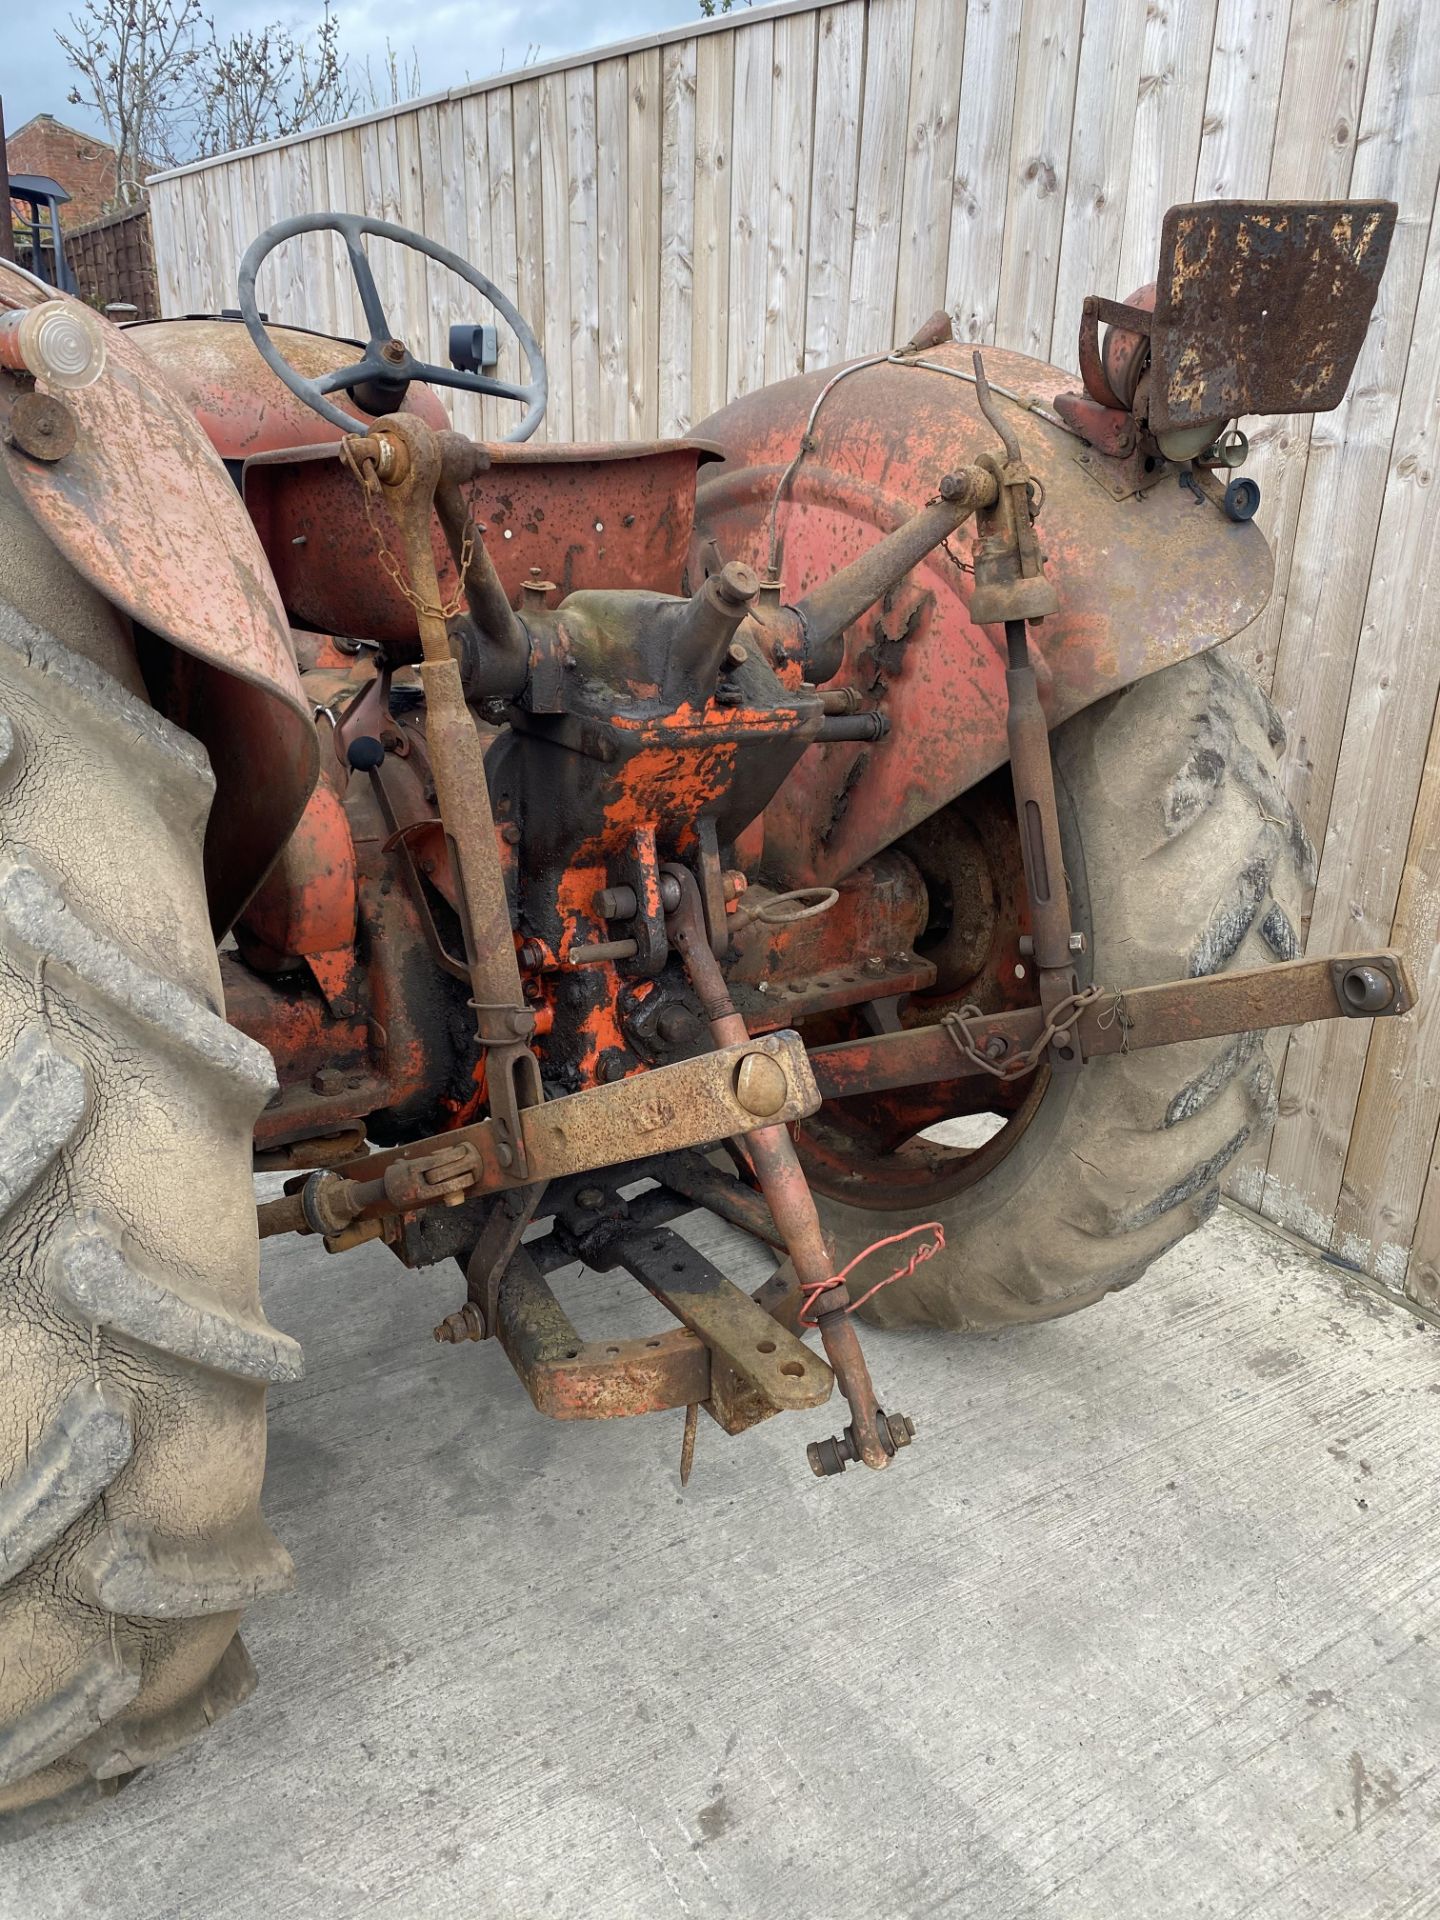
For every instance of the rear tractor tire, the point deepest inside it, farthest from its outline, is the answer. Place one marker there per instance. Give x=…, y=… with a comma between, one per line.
x=134, y=1355
x=1183, y=857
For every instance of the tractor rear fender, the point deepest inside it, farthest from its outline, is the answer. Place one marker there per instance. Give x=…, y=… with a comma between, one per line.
x=1143, y=581
x=143, y=508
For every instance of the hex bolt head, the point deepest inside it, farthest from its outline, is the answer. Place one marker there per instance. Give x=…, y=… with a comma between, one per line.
x=676, y=1025
x=591, y=1198
x=760, y=1085
x=1077, y=943
x=466, y=1323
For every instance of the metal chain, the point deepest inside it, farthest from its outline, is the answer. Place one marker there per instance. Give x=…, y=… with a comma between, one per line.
x=1067, y=1012
x=364, y=472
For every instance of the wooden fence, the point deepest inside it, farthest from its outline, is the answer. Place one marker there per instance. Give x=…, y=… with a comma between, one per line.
x=691, y=216
x=113, y=261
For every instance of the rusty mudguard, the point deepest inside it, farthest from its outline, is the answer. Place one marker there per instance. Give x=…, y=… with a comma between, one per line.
x=143, y=508
x=1142, y=581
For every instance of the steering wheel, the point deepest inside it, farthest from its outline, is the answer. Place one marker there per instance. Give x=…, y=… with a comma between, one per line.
x=387, y=359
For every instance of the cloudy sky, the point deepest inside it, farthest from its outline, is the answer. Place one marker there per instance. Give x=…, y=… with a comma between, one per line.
x=455, y=40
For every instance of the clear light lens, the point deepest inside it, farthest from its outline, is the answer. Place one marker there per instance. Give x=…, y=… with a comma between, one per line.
x=57, y=342
x=70, y=353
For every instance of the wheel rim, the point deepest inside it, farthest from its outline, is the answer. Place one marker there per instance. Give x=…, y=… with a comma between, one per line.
x=873, y=1152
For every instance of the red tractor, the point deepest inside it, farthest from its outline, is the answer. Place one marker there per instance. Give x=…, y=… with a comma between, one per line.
x=494, y=836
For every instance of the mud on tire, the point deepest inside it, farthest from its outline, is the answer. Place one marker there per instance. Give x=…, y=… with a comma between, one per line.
x=133, y=1352
x=1184, y=857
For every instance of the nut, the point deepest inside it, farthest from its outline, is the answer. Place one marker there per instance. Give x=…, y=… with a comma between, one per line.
x=466, y=1323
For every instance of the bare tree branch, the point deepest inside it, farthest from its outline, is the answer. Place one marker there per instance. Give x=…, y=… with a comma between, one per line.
x=133, y=58
x=168, y=87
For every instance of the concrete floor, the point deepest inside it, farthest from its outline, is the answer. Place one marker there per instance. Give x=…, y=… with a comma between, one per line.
x=1144, y=1626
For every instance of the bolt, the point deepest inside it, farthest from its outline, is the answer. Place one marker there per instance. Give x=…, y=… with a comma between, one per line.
x=466, y=1323
x=394, y=352
x=736, y=654
x=737, y=584
x=504, y=1154
x=613, y=1070
x=1077, y=943
x=995, y=1046
x=676, y=1025
x=510, y=834
x=828, y=1457
x=1026, y=946
x=760, y=1085
x=591, y=1198
x=615, y=903
x=531, y=954
x=733, y=883
x=874, y=963
x=727, y=696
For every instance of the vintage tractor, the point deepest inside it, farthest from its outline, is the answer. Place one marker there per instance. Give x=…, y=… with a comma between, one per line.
x=488, y=836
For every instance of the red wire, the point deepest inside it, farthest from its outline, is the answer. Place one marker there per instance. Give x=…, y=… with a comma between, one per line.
x=813, y=1289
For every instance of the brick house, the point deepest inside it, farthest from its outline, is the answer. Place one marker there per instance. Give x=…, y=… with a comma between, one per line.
x=82, y=163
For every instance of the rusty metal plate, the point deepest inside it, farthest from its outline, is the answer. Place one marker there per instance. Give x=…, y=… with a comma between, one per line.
x=1142, y=582
x=597, y=517
x=689, y=1104
x=768, y=1358
x=573, y=1379
x=143, y=509
x=1261, y=305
